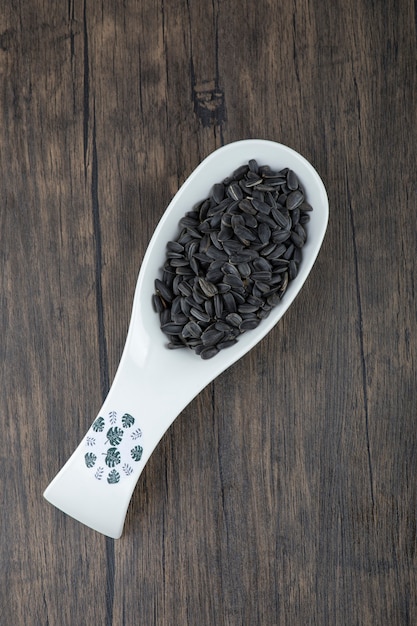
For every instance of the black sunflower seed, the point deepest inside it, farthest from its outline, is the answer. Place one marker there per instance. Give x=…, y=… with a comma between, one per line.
x=261, y=206
x=212, y=336
x=253, y=179
x=163, y=290
x=245, y=234
x=240, y=172
x=247, y=308
x=158, y=303
x=247, y=207
x=297, y=240
x=292, y=269
x=294, y=199
x=209, y=352
x=172, y=329
x=249, y=324
x=279, y=236
x=264, y=232
x=234, y=319
x=218, y=192
x=208, y=288
x=174, y=246
x=234, y=190
x=199, y=315
x=280, y=218
x=292, y=180
x=229, y=302
x=226, y=344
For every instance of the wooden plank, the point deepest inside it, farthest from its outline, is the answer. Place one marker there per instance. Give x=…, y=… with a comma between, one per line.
x=284, y=493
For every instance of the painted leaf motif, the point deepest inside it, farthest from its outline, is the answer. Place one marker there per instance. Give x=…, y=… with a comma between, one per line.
x=114, y=435
x=98, y=425
x=127, y=420
x=136, y=453
x=112, y=457
x=90, y=459
x=128, y=469
x=113, y=477
x=112, y=417
x=99, y=473
x=136, y=434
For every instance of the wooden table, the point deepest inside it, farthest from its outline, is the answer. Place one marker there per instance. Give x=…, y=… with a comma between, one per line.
x=285, y=493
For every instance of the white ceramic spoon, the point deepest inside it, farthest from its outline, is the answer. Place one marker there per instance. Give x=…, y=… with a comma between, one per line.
x=153, y=384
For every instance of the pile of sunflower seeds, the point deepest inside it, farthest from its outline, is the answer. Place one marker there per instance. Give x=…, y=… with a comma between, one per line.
x=233, y=259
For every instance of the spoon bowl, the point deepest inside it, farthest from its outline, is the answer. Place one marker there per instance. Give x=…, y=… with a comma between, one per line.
x=154, y=384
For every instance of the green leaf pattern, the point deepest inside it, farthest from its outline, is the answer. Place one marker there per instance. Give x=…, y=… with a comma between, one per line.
x=98, y=425
x=127, y=420
x=108, y=441
x=113, y=477
x=90, y=459
x=128, y=469
x=113, y=457
x=136, y=434
x=136, y=453
x=115, y=435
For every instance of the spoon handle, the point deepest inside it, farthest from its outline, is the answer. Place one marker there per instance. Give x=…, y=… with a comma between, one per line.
x=96, y=483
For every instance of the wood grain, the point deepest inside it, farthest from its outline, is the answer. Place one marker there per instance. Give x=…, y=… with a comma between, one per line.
x=286, y=492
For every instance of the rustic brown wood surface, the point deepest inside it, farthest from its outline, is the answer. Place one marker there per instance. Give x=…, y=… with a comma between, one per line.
x=285, y=493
